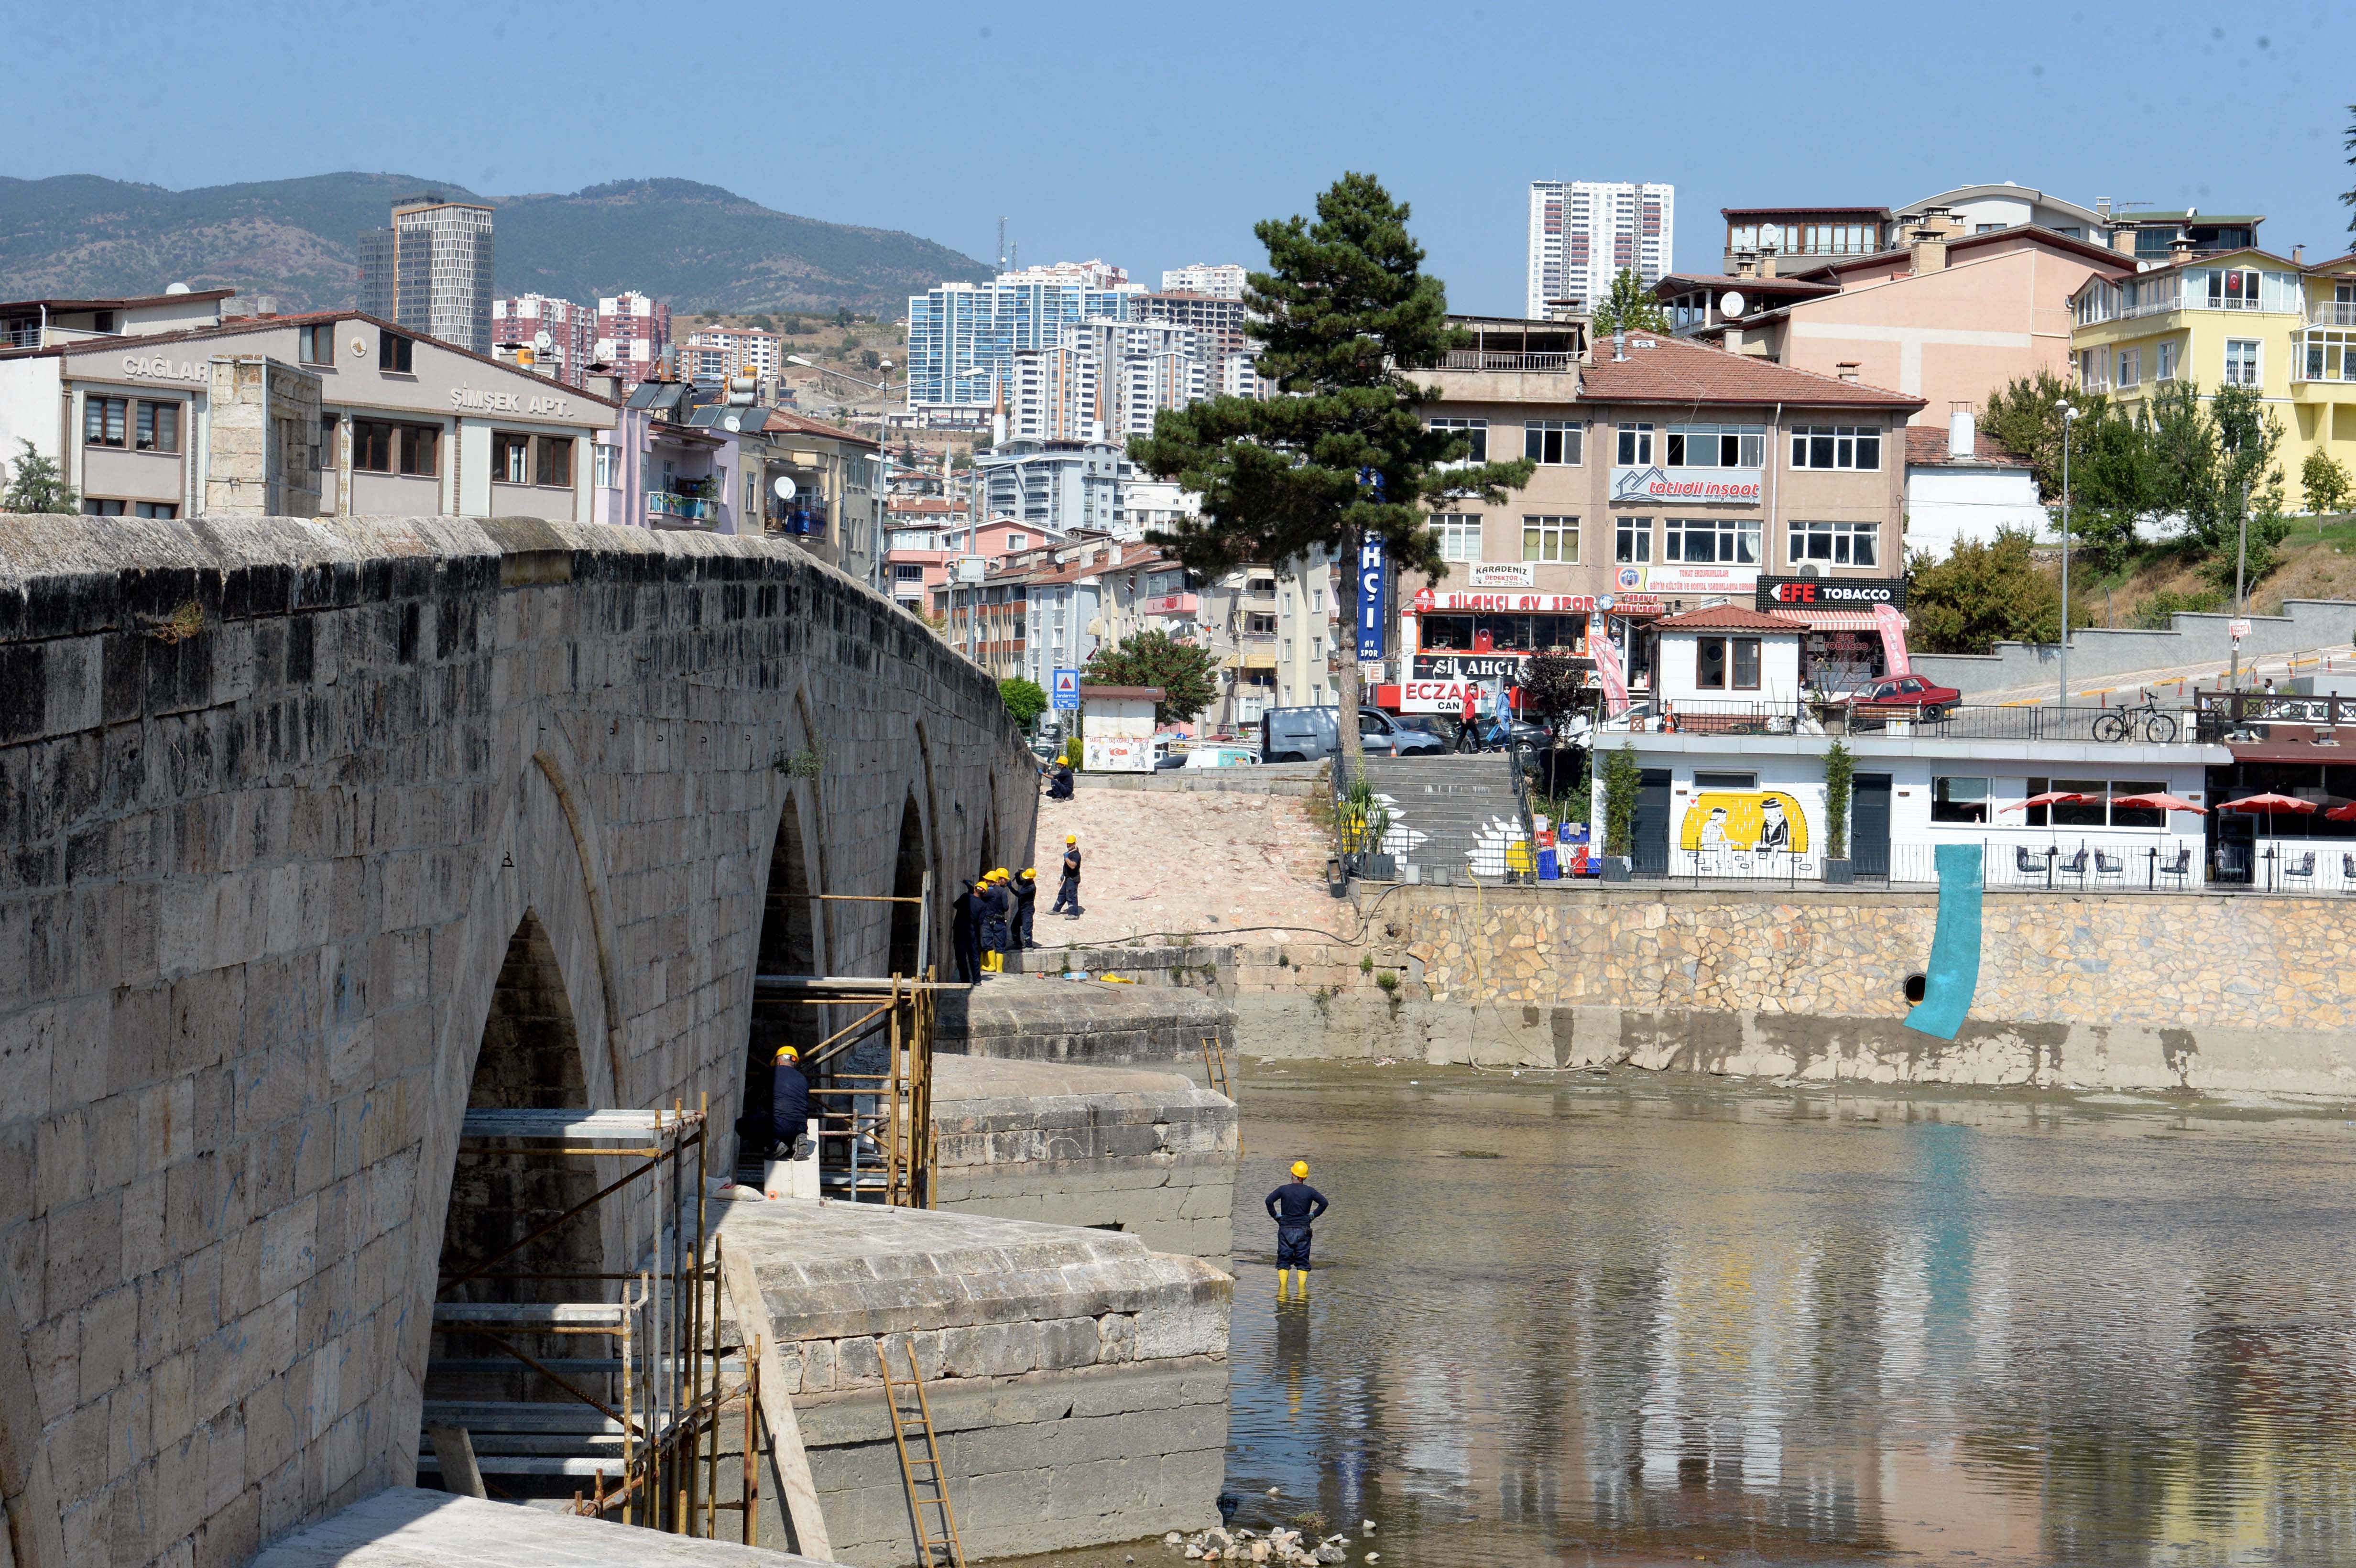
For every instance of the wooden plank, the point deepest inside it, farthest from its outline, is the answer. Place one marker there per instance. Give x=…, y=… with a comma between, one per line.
x=454, y=1457
x=529, y=1313
x=787, y=1457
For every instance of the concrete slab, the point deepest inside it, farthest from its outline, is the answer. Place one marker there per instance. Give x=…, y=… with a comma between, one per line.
x=404, y=1526
x=1152, y=1154
x=1051, y=1019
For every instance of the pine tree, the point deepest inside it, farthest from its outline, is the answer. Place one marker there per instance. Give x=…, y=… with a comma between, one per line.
x=39, y=485
x=1627, y=308
x=1344, y=455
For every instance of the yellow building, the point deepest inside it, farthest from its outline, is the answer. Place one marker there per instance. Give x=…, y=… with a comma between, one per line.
x=2243, y=317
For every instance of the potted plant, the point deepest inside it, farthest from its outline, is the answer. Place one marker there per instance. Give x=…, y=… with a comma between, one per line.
x=1621, y=777
x=1840, y=773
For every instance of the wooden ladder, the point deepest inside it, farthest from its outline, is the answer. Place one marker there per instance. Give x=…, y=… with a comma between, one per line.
x=1214, y=1066
x=919, y=1472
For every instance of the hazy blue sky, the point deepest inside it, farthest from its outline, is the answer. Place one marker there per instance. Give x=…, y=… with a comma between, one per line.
x=1155, y=135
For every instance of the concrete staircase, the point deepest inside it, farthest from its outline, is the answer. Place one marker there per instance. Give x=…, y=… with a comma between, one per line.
x=1452, y=817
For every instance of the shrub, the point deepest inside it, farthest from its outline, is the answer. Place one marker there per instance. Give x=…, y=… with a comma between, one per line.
x=1840, y=773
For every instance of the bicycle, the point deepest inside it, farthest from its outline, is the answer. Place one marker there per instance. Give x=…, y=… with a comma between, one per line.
x=2119, y=723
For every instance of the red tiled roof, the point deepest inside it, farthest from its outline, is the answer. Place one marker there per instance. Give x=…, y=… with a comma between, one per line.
x=1795, y=211
x=1677, y=370
x=198, y=295
x=802, y=424
x=1726, y=618
x=1927, y=445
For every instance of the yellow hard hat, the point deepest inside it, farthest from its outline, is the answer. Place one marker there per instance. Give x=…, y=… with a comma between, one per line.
x=1071, y=837
x=789, y=1053
x=1299, y=1170
x=1029, y=875
x=999, y=875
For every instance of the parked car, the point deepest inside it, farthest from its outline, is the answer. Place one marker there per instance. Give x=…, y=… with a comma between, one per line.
x=1310, y=735
x=1046, y=748
x=1901, y=696
x=1222, y=757
x=1168, y=754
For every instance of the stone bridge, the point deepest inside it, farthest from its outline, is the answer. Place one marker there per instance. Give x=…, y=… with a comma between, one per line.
x=310, y=831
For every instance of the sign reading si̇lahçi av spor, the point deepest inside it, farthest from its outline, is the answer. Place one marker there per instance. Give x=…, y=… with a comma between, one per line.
x=1830, y=592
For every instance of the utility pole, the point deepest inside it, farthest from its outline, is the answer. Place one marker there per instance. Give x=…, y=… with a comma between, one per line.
x=2241, y=554
x=2069, y=418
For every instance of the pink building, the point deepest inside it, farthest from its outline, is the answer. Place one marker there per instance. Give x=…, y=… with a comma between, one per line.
x=927, y=533
x=1944, y=316
x=570, y=329
x=632, y=333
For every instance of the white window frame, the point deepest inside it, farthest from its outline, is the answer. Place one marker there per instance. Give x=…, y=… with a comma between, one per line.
x=2164, y=361
x=1632, y=542
x=2130, y=368
x=1711, y=442
x=1569, y=437
x=2254, y=370
x=609, y=465
x=1458, y=531
x=1477, y=429
x=1737, y=533
x=1840, y=542
x=1848, y=443
x=1556, y=541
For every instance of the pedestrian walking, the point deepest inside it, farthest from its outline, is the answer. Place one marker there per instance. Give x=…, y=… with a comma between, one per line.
x=1295, y=1207
x=1067, y=890
x=965, y=931
x=1026, y=905
x=1468, y=731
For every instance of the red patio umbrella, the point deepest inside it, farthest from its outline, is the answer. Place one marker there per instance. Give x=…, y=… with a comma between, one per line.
x=2342, y=813
x=2052, y=798
x=2269, y=804
x=2159, y=803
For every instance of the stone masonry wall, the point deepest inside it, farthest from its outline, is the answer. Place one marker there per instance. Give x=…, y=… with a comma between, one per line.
x=274, y=797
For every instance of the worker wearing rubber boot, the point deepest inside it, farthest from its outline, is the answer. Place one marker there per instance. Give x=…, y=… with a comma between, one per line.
x=794, y=1172
x=1294, y=1207
x=1025, y=889
x=996, y=902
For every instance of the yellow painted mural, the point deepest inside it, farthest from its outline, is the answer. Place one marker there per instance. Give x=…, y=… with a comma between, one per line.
x=1760, y=821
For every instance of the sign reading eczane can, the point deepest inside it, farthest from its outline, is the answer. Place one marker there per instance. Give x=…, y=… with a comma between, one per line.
x=1830, y=592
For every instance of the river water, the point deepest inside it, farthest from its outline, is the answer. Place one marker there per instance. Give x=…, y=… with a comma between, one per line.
x=1628, y=1319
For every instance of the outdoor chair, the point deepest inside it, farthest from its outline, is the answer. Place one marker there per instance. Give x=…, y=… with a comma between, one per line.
x=2302, y=867
x=2109, y=868
x=2348, y=873
x=2028, y=870
x=2075, y=866
x=2181, y=867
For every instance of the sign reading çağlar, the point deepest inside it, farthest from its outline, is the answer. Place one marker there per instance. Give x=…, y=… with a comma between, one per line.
x=1711, y=487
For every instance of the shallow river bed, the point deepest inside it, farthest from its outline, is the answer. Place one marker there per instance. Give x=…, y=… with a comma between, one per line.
x=1588, y=1319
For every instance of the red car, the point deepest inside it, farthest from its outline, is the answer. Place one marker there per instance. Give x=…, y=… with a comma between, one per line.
x=1908, y=692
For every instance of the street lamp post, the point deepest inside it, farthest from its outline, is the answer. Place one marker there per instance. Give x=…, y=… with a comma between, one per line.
x=883, y=390
x=2241, y=552
x=2069, y=418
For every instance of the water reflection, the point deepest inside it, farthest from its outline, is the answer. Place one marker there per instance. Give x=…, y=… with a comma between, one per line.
x=1675, y=1322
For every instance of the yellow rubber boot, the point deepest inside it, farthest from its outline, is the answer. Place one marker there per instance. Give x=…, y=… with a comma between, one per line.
x=1284, y=1285
x=1305, y=1284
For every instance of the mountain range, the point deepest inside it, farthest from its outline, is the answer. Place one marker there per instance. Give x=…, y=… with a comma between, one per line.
x=695, y=246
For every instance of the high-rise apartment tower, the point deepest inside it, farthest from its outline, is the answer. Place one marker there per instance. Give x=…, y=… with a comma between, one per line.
x=431, y=271
x=1584, y=231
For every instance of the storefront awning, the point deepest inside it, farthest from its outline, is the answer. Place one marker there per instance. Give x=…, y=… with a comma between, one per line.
x=1835, y=620
x=1259, y=661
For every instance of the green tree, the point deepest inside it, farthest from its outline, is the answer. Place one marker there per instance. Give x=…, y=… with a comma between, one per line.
x=1623, y=775
x=1346, y=313
x=39, y=485
x=2325, y=483
x=1984, y=593
x=763, y=322
x=1024, y=699
x=842, y=316
x=1840, y=774
x=1182, y=670
x=1627, y=308
x=2111, y=483
x=1554, y=687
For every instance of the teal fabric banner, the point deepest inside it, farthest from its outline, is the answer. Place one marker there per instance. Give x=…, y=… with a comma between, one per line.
x=1954, y=971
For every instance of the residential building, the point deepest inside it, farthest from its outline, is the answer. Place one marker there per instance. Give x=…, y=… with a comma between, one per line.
x=2154, y=236
x=1669, y=474
x=1776, y=240
x=1149, y=504
x=1774, y=232
x=1222, y=283
x=655, y=469
x=1582, y=232
x=2243, y=317
x=406, y=426
x=562, y=335
x=963, y=337
x=1221, y=326
x=633, y=333
x=1947, y=317
x=1309, y=633
x=920, y=558
x=1962, y=484
x=431, y=271
x=1062, y=486
x=744, y=350
x=1984, y=208
x=45, y=323
x=702, y=364
x=837, y=510
x=1239, y=377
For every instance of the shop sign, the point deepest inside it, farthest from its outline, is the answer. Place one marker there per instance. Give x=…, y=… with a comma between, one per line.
x=1710, y=487
x=147, y=367
x=474, y=399
x=1673, y=576
x=1504, y=574
x=1440, y=696
x=1373, y=596
x=1427, y=603
x=1829, y=593
x=1469, y=666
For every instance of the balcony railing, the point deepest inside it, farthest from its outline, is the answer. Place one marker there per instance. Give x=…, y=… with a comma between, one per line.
x=1490, y=359
x=687, y=508
x=2332, y=313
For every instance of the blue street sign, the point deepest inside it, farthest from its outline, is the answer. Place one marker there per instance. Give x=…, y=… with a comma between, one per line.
x=1067, y=688
x=1373, y=590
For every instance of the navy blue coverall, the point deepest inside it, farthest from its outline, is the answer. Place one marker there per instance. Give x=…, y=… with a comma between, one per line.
x=1294, y=1207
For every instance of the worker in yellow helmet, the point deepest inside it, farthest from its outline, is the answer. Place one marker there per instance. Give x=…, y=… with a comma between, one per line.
x=1025, y=887
x=994, y=901
x=1294, y=1207
x=1067, y=891
x=783, y=1131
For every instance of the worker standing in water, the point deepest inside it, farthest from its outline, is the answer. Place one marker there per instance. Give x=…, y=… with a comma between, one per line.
x=1294, y=1207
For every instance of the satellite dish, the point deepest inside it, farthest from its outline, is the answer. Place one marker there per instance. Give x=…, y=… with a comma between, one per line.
x=1732, y=304
x=734, y=422
x=176, y=288
x=541, y=341
x=784, y=487
x=1770, y=235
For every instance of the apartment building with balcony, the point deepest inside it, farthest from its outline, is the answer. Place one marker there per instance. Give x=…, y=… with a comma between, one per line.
x=2243, y=317
x=1943, y=313
x=633, y=334
x=1669, y=474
